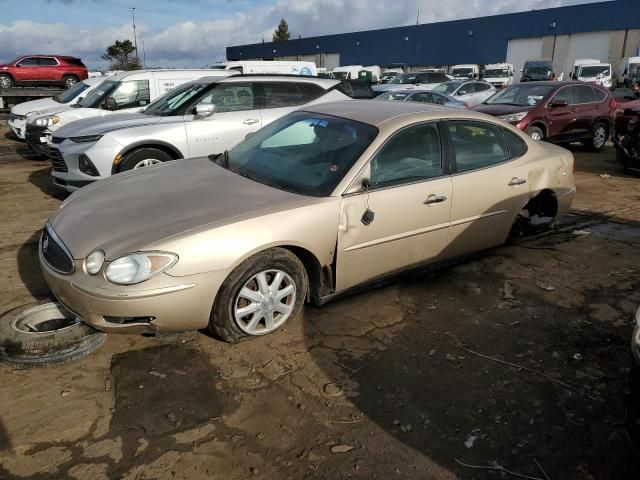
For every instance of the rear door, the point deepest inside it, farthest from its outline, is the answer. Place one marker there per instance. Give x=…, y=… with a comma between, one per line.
x=587, y=109
x=483, y=92
x=490, y=185
x=237, y=115
x=402, y=220
x=562, y=121
x=48, y=69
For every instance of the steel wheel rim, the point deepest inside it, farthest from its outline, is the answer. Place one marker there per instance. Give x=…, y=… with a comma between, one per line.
x=265, y=302
x=147, y=162
x=43, y=319
x=599, y=137
x=536, y=136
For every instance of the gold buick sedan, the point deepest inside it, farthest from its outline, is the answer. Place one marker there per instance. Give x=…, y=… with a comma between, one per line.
x=311, y=206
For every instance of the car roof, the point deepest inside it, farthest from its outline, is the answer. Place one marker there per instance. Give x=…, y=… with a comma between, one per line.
x=323, y=82
x=377, y=113
x=40, y=55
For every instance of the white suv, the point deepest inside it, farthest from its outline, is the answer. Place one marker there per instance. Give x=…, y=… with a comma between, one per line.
x=202, y=117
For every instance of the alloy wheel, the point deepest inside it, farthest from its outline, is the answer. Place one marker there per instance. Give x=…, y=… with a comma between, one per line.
x=599, y=136
x=536, y=136
x=147, y=163
x=265, y=302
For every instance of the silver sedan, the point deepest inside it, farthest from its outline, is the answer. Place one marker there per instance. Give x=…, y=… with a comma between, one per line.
x=423, y=96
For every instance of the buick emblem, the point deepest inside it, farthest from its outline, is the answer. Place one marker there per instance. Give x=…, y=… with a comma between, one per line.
x=45, y=243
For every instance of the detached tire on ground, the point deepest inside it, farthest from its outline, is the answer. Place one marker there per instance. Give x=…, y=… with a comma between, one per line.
x=143, y=157
x=43, y=334
x=259, y=296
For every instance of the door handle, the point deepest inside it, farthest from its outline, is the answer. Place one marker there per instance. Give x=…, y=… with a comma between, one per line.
x=516, y=181
x=250, y=121
x=431, y=199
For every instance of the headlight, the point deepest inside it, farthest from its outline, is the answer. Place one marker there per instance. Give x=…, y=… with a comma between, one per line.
x=93, y=263
x=138, y=267
x=47, y=121
x=86, y=139
x=513, y=117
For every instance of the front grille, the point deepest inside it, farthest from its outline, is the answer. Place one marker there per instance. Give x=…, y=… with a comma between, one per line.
x=55, y=252
x=57, y=161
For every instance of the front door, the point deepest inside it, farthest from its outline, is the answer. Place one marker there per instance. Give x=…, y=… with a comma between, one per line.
x=490, y=185
x=28, y=70
x=236, y=117
x=402, y=219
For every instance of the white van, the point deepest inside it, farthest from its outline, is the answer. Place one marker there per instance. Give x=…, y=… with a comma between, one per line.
x=629, y=71
x=579, y=62
x=466, y=71
x=20, y=112
x=499, y=75
x=600, y=73
x=263, y=67
x=123, y=92
x=347, y=72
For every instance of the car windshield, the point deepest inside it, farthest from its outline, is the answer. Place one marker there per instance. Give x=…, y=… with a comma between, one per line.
x=496, y=72
x=70, y=94
x=98, y=94
x=522, y=95
x=536, y=71
x=175, y=101
x=398, y=96
x=447, y=87
x=340, y=75
x=304, y=152
x=404, y=78
x=462, y=72
x=594, y=71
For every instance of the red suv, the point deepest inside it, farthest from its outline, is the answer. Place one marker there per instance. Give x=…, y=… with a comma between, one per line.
x=559, y=112
x=43, y=70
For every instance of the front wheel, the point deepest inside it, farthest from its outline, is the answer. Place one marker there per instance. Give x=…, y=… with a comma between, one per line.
x=6, y=81
x=598, y=138
x=259, y=296
x=143, y=157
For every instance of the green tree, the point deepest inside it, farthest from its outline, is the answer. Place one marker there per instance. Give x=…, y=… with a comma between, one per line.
x=281, y=33
x=119, y=55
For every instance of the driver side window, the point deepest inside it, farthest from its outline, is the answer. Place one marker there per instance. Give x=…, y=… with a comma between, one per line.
x=231, y=97
x=412, y=155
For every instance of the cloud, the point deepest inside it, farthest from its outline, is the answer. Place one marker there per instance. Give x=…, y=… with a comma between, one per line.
x=177, y=44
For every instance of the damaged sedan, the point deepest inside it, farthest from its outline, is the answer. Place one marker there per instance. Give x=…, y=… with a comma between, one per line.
x=315, y=204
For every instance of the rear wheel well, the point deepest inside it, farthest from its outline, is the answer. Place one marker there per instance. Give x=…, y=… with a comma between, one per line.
x=539, y=213
x=545, y=204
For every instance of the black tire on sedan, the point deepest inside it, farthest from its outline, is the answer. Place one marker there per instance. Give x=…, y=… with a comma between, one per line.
x=259, y=296
x=535, y=133
x=69, y=81
x=599, y=136
x=143, y=157
x=6, y=81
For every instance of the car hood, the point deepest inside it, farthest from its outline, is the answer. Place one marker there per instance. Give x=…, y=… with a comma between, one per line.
x=34, y=106
x=498, y=110
x=99, y=125
x=129, y=211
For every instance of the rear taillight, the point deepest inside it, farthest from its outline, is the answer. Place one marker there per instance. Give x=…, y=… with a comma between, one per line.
x=613, y=104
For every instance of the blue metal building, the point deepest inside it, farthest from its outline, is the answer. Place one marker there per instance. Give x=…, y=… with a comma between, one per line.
x=476, y=40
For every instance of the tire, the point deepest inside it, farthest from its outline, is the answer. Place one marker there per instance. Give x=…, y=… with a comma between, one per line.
x=535, y=133
x=224, y=323
x=53, y=345
x=599, y=136
x=133, y=160
x=69, y=81
x=6, y=81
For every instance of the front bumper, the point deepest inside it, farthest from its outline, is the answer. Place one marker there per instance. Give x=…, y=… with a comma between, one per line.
x=37, y=138
x=163, y=303
x=17, y=126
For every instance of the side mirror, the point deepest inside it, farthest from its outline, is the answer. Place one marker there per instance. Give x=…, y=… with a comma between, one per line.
x=560, y=103
x=205, y=109
x=110, y=104
x=366, y=184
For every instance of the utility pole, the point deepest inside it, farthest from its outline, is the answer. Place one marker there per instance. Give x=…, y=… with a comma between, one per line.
x=418, y=17
x=135, y=38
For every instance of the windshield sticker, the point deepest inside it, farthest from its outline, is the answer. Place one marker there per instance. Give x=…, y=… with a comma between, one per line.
x=534, y=99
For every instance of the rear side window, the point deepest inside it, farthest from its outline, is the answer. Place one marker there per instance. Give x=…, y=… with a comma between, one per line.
x=476, y=145
x=75, y=62
x=231, y=97
x=585, y=94
x=481, y=87
x=132, y=94
x=421, y=97
x=437, y=77
x=600, y=95
x=286, y=94
x=47, y=62
x=357, y=89
x=438, y=99
x=517, y=146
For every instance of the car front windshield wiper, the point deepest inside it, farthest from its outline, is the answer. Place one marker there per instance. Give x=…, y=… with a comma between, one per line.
x=76, y=105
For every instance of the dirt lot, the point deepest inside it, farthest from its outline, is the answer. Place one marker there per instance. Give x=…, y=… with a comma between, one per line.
x=393, y=383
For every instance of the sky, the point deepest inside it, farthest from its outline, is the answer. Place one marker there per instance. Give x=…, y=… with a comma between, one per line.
x=187, y=33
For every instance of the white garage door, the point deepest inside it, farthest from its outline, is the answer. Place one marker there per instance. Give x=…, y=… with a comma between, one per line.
x=522, y=49
x=587, y=45
x=332, y=61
